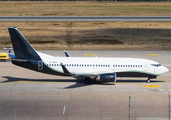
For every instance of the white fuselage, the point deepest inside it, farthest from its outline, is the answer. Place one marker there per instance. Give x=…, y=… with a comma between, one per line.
x=98, y=65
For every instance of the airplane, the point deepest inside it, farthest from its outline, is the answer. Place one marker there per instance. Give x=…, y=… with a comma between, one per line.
x=5, y=57
x=100, y=68
x=66, y=53
x=10, y=55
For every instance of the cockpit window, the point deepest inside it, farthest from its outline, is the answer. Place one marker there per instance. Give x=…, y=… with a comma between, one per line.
x=156, y=65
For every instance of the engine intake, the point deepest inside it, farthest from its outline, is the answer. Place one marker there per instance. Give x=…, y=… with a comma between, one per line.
x=109, y=77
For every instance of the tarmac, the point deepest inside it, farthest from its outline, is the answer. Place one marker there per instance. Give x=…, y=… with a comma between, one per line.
x=29, y=95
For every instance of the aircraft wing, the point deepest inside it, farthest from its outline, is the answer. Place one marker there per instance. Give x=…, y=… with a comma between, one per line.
x=84, y=74
x=66, y=53
x=91, y=74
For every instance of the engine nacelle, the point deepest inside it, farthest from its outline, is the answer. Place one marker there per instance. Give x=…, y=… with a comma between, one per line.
x=109, y=77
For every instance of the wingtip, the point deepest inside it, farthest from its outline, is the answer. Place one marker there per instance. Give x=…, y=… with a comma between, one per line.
x=11, y=27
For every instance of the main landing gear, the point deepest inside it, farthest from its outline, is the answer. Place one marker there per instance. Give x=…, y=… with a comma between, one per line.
x=87, y=80
x=148, y=80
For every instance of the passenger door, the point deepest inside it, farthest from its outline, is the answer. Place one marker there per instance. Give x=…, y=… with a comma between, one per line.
x=145, y=67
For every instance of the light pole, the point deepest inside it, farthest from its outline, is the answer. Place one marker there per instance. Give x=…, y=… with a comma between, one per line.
x=129, y=105
x=169, y=105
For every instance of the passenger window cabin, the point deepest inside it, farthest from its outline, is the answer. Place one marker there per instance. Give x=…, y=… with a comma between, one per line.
x=92, y=65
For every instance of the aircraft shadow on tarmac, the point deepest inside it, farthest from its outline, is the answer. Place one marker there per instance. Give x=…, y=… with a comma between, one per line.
x=79, y=81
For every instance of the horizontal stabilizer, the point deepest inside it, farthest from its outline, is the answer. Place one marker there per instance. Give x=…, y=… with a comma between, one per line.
x=19, y=60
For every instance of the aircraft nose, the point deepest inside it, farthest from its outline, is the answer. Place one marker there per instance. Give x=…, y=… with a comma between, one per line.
x=165, y=69
x=161, y=70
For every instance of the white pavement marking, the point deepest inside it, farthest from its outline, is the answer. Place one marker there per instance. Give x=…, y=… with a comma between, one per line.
x=64, y=110
x=150, y=118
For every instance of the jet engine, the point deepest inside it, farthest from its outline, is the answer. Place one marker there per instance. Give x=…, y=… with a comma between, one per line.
x=109, y=77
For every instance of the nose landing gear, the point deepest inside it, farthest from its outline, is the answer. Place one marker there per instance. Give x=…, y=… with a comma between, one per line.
x=148, y=80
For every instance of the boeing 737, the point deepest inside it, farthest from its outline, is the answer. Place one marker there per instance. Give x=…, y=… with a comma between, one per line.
x=100, y=68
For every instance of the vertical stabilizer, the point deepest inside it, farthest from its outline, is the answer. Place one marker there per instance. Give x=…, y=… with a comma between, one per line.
x=22, y=48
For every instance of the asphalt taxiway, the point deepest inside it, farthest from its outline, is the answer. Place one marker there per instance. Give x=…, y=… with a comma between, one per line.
x=28, y=95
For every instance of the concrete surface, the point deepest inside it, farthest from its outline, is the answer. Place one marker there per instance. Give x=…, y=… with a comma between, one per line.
x=28, y=95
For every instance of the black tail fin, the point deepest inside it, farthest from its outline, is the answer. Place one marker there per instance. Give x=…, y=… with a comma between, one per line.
x=22, y=48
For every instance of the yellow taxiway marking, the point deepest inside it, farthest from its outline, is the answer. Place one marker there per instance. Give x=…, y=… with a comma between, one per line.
x=7, y=83
x=150, y=86
x=166, y=88
x=153, y=55
x=27, y=82
x=127, y=83
x=91, y=55
x=165, y=78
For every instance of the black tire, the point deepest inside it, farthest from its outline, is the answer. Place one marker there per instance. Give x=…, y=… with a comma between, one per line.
x=87, y=80
x=148, y=81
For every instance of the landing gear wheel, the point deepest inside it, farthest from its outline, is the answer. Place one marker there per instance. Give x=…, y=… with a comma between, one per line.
x=87, y=80
x=148, y=81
